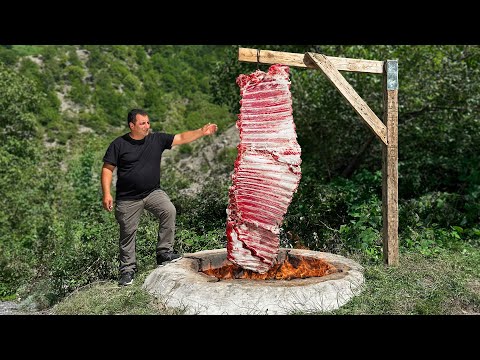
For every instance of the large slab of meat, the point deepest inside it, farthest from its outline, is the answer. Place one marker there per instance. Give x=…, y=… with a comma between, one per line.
x=267, y=169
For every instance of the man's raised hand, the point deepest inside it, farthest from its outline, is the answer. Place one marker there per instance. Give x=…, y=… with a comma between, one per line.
x=209, y=129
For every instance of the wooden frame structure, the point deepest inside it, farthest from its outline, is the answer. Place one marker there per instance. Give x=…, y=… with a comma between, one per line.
x=386, y=130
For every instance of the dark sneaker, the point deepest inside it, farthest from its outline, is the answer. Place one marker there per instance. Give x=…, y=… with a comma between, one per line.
x=167, y=257
x=126, y=278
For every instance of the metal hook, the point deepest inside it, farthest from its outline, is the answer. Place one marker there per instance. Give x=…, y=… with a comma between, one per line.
x=258, y=58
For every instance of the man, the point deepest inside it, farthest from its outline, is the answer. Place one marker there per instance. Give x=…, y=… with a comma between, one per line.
x=137, y=156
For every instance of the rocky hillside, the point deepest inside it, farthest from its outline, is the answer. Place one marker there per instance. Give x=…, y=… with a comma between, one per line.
x=211, y=158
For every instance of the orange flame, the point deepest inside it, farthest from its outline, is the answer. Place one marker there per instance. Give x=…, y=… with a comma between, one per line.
x=294, y=267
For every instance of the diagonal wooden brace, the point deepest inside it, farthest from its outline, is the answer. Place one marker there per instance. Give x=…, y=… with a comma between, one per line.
x=349, y=93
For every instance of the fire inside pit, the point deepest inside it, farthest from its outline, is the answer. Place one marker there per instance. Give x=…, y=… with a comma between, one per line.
x=305, y=281
x=292, y=267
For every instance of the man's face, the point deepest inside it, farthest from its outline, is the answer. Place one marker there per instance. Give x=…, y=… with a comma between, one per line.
x=142, y=126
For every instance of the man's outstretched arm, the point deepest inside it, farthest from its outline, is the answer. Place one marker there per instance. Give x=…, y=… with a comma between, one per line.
x=107, y=172
x=192, y=135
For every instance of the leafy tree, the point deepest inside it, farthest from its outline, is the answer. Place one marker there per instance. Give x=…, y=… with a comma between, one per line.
x=19, y=102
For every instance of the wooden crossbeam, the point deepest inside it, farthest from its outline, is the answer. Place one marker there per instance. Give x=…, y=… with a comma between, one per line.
x=322, y=62
x=297, y=60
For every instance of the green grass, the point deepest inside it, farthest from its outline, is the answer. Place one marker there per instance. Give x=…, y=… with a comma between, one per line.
x=447, y=283
x=108, y=298
x=26, y=50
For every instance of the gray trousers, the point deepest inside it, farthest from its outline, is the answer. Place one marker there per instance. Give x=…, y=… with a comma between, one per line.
x=128, y=213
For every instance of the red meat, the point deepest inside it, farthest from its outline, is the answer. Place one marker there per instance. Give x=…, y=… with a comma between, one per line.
x=267, y=169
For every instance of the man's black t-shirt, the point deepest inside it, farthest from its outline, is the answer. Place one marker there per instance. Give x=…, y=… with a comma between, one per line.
x=138, y=163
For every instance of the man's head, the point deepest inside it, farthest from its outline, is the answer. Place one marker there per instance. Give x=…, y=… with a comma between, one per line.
x=139, y=123
x=132, y=115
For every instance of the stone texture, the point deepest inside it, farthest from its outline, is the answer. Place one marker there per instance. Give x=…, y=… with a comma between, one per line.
x=182, y=285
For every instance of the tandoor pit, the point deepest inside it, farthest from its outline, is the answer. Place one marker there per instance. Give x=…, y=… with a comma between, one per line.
x=301, y=282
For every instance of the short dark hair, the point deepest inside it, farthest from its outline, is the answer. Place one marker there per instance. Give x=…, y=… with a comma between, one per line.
x=132, y=115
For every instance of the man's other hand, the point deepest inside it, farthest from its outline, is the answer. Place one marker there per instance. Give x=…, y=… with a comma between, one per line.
x=107, y=202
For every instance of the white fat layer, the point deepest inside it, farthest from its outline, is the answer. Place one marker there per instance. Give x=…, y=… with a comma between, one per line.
x=251, y=181
x=255, y=158
x=290, y=178
x=256, y=125
x=244, y=258
x=267, y=102
x=272, y=195
x=272, y=182
x=258, y=221
x=286, y=106
x=280, y=129
x=277, y=115
x=264, y=189
x=262, y=200
x=275, y=199
x=264, y=210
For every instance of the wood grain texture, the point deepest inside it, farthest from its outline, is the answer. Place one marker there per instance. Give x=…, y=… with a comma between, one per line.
x=349, y=93
x=390, y=178
x=298, y=60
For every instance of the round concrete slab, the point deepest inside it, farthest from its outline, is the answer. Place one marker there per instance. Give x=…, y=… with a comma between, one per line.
x=182, y=285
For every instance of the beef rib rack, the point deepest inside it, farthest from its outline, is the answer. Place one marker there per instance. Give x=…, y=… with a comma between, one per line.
x=267, y=169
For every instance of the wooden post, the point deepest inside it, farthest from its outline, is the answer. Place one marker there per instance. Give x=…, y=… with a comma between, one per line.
x=390, y=164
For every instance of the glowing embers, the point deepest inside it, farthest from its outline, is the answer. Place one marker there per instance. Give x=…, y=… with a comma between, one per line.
x=291, y=267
